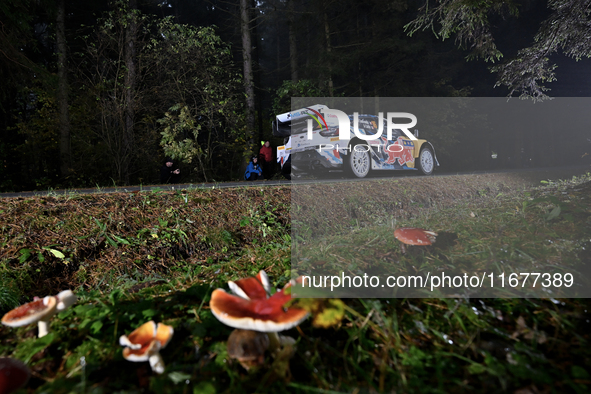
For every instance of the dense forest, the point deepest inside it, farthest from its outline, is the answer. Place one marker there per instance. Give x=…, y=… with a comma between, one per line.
x=97, y=93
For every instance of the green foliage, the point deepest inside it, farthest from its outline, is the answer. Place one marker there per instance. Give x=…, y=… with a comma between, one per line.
x=467, y=20
x=9, y=293
x=39, y=130
x=265, y=220
x=565, y=30
x=301, y=88
x=178, y=123
x=197, y=74
x=185, y=96
x=28, y=253
x=325, y=313
x=32, y=346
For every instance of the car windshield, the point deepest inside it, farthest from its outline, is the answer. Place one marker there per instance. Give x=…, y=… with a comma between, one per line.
x=368, y=124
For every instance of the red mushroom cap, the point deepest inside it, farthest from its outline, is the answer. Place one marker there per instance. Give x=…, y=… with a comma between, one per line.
x=253, y=288
x=30, y=312
x=415, y=236
x=250, y=311
x=14, y=374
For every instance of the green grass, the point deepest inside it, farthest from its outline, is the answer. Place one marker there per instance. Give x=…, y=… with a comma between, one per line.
x=544, y=230
x=426, y=345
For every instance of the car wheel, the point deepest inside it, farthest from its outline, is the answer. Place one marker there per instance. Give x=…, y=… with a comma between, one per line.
x=359, y=160
x=426, y=161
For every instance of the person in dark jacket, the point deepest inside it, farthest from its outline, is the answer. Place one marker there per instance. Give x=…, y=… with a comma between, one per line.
x=253, y=170
x=170, y=172
x=266, y=159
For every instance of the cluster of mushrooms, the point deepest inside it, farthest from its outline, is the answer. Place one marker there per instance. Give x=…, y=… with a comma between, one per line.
x=256, y=316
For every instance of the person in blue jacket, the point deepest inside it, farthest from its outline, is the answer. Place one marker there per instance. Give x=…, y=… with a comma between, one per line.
x=253, y=171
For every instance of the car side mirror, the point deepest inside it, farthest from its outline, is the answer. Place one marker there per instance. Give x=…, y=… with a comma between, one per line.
x=416, y=133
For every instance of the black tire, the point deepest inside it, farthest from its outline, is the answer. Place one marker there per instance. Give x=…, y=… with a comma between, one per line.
x=286, y=169
x=426, y=160
x=358, y=162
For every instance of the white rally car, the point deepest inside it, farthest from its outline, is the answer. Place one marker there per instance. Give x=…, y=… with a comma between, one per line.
x=312, y=143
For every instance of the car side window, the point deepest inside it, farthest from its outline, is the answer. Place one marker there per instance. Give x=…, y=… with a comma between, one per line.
x=366, y=126
x=385, y=128
x=395, y=133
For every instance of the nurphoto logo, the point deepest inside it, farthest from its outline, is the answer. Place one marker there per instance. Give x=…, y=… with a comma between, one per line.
x=345, y=126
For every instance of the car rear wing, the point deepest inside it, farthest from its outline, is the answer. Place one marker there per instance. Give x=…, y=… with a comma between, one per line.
x=282, y=123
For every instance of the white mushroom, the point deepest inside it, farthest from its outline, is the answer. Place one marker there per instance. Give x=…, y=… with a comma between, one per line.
x=65, y=299
x=38, y=311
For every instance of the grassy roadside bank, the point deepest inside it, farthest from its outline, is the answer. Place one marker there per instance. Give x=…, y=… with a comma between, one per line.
x=491, y=229
x=140, y=256
x=105, y=241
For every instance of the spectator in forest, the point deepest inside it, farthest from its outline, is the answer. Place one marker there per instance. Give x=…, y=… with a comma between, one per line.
x=170, y=172
x=266, y=159
x=253, y=170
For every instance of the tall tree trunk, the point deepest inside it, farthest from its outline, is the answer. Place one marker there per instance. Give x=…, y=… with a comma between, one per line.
x=62, y=92
x=248, y=76
x=328, y=54
x=278, y=43
x=129, y=94
x=293, y=48
x=257, y=76
x=359, y=63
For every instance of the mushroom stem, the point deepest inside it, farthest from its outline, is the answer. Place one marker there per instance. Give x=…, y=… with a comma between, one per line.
x=156, y=362
x=43, y=326
x=286, y=341
x=274, y=342
x=278, y=342
x=248, y=347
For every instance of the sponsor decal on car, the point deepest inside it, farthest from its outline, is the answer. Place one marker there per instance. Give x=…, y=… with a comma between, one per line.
x=403, y=153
